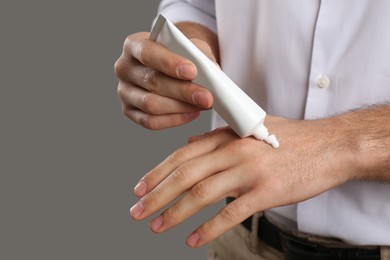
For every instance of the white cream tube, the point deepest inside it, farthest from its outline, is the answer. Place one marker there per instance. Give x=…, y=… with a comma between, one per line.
x=242, y=114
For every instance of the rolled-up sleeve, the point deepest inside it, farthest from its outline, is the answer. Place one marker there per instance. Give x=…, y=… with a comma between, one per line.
x=198, y=11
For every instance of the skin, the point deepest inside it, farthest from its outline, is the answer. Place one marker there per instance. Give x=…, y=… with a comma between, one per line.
x=155, y=84
x=314, y=156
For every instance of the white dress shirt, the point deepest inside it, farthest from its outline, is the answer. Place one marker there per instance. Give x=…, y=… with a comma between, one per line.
x=309, y=59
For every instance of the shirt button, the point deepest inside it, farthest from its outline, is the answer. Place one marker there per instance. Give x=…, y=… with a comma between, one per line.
x=323, y=82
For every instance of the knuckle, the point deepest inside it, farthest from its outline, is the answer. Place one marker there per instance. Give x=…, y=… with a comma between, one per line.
x=148, y=122
x=241, y=146
x=131, y=114
x=237, y=146
x=152, y=196
x=120, y=67
x=200, y=190
x=128, y=111
x=135, y=116
x=150, y=199
x=230, y=214
x=186, y=90
x=128, y=40
x=124, y=109
x=169, y=64
x=178, y=156
x=171, y=215
x=144, y=54
x=128, y=43
x=120, y=91
x=134, y=43
x=150, y=78
x=149, y=103
x=208, y=230
x=180, y=174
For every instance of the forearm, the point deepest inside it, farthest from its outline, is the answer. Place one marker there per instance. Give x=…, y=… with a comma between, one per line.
x=366, y=134
x=194, y=30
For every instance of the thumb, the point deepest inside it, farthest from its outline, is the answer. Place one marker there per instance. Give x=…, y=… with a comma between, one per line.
x=205, y=48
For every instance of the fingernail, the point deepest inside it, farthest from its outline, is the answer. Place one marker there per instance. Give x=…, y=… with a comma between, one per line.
x=193, y=240
x=140, y=188
x=137, y=209
x=186, y=71
x=156, y=223
x=201, y=99
x=190, y=116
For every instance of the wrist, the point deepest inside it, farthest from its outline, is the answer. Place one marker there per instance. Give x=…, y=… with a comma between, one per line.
x=365, y=140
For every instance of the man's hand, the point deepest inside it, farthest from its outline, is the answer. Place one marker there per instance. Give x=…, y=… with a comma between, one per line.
x=220, y=164
x=155, y=84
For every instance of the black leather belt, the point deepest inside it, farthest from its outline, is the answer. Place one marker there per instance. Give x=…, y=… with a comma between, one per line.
x=295, y=248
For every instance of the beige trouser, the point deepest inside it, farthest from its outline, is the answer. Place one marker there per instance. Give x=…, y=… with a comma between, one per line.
x=240, y=244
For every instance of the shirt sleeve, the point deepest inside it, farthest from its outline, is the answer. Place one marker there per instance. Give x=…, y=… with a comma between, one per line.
x=198, y=11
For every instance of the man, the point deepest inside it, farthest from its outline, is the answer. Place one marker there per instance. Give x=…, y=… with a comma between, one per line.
x=321, y=70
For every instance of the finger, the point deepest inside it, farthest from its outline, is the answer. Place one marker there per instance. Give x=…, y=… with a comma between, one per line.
x=151, y=103
x=181, y=180
x=167, y=86
x=195, y=138
x=157, y=122
x=227, y=218
x=203, y=194
x=173, y=161
x=156, y=56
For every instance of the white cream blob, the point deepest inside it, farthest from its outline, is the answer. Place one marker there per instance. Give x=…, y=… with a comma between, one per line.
x=271, y=139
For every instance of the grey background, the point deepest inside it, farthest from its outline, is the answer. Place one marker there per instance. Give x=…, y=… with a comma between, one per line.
x=69, y=158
